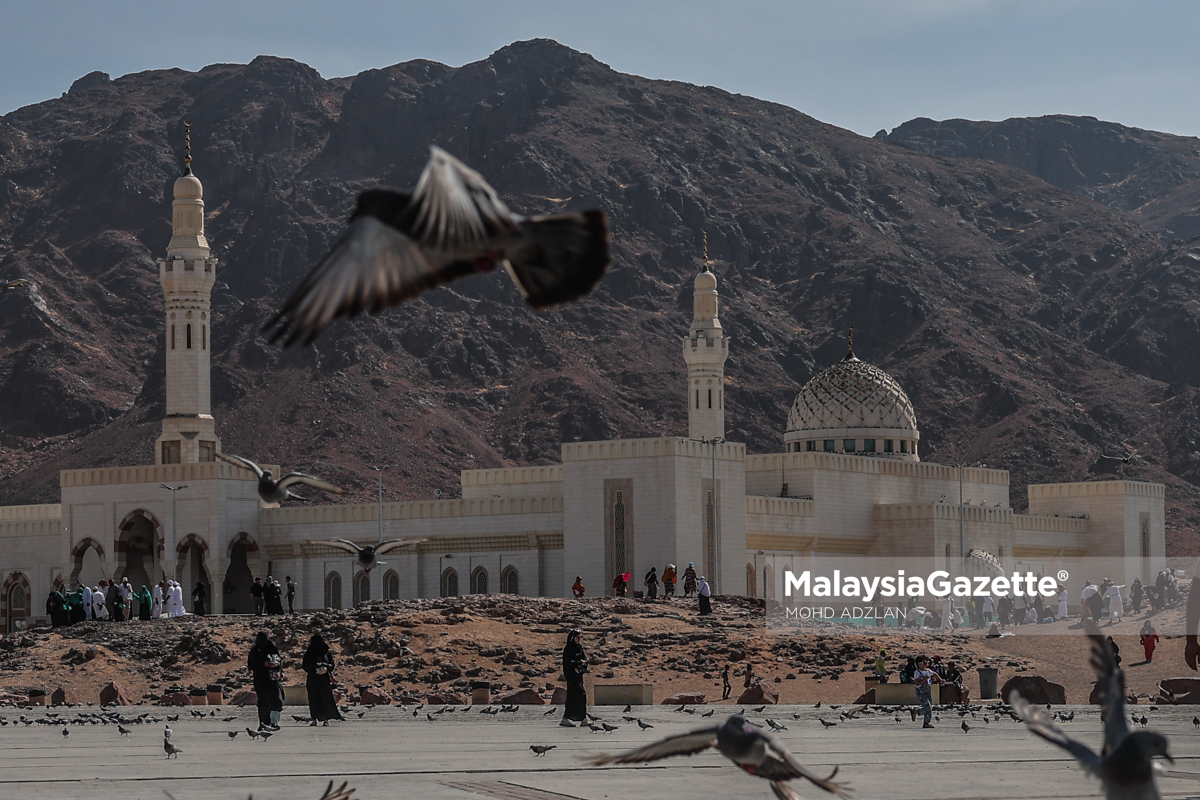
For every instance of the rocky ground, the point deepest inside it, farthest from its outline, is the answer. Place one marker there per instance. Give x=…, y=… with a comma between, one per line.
x=431, y=650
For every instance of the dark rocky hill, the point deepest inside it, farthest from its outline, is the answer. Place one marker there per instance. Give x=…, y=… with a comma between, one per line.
x=1153, y=176
x=1033, y=328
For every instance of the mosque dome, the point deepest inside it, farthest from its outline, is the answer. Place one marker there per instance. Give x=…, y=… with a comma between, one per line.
x=706, y=280
x=853, y=407
x=188, y=187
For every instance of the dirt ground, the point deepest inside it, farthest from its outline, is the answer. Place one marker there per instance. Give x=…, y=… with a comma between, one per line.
x=412, y=649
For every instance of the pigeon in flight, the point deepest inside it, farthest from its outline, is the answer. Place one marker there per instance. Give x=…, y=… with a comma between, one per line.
x=170, y=749
x=756, y=752
x=398, y=245
x=8, y=286
x=367, y=556
x=1124, y=763
x=276, y=491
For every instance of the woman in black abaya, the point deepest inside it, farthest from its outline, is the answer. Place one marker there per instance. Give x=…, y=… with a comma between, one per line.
x=318, y=663
x=574, y=664
x=264, y=664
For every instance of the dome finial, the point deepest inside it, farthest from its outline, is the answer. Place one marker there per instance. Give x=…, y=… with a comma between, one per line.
x=187, y=148
x=704, y=250
x=850, y=344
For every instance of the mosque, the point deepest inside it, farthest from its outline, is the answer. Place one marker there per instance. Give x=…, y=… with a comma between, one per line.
x=849, y=481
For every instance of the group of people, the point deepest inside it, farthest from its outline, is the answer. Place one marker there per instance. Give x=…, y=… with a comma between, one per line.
x=692, y=584
x=113, y=601
x=266, y=668
x=269, y=596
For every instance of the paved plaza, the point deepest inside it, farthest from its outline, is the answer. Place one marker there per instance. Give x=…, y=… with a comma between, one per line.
x=389, y=753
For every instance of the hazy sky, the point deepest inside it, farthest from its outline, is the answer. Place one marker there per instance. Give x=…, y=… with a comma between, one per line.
x=861, y=64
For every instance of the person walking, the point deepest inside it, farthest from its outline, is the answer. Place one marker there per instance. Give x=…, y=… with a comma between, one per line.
x=56, y=609
x=651, y=583
x=726, y=688
x=318, y=663
x=881, y=666
x=922, y=679
x=273, y=595
x=99, y=606
x=1116, y=651
x=1149, y=640
x=748, y=680
x=199, y=594
x=578, y=589
x=156, y=604
x=290, y=593
x=704, y=593
x=669, y=577
x=145, y=604
x=1116, y=606
x=112, y=601
x=689, y=580
x=620, y=582
x=264, y=663
x=1062, y=602
x=256, y=592
x=988, y=608
x=87, y=603
x=574, y=666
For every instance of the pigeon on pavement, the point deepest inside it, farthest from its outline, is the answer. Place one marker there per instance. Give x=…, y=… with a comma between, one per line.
x=1124, y=764
x=827, y=724
x=966, y=728
x=276, y=491
x=756, y=752
x=541, y=749
x=233, y=734
x=170, y=749
x=398, y=245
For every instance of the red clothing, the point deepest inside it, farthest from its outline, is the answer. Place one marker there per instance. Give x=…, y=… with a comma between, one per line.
x=1149, y=642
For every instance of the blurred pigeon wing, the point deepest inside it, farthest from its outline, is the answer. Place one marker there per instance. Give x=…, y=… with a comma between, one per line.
x=371, y=267
x=341, y=793
x=685, y=744
x=242, y=462
x=781, y=765
x=1111, y=681
x=455, y=206
x=1040, y=723
x=394, y=544
x=292, y=478
x=560, y=258
x=340, y=544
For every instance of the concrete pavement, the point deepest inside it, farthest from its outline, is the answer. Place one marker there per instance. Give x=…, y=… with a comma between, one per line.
x=389, y=753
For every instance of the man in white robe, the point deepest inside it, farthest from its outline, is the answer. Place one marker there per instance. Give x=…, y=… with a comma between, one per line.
x=98, y=609
x=87, y=603
x=177, y=594
x=156, y=607
x=127, y=598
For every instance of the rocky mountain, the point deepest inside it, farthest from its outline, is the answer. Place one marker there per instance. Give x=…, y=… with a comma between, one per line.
x=1034, y=328
x=1153, y=176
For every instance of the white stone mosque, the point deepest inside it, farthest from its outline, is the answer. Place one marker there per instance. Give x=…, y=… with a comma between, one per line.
x=848, y=481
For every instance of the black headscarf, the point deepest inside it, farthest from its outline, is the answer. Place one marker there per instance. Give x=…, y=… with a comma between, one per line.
x=573, y=657
x=257, y=661
x=317, y=646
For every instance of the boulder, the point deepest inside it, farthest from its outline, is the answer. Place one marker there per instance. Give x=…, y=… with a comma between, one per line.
x=560, y=697
x=374, y=696
x=684, y=699
x=116, y=694
x=63, y=697
x=867, y=697
x=5, y=697
x=447, y=699
x=1035, y=689
x=409, y=700
x=244, y=697
x=1186, y=690
x=521, y=697
x=759, y=694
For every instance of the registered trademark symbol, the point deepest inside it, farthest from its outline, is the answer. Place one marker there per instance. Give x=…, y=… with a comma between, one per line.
x=1062, y=575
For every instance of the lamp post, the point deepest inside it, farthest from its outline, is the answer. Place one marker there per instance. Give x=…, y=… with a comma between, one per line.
x=379, y=507
x=714, y=441
x=174, y=534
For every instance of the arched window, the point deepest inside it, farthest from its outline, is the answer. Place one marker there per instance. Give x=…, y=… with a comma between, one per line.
x=768, y=582
x=189, y=336
x=362, y=588
x=510, y=582
x=16, y=598
x=391, y=586
x=450, y=582
x=619, y=533
x=333, y=590
x=479, y=581
x=751, y=588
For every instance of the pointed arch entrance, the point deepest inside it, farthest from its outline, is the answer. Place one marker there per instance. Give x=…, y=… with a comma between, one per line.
x=243, y=558
x=192, y=566
x=16, y=599
x=87, y=557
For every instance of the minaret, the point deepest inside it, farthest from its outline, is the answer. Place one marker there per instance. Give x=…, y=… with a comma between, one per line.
x=705, y=350
x=187, y=275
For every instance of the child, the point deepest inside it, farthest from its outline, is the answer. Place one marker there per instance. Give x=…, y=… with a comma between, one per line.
x=1149, y=640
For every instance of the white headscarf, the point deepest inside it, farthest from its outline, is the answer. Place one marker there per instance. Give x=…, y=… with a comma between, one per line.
x=703, y=589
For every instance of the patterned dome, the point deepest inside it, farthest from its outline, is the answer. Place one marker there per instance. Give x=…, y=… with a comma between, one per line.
x=851, y=394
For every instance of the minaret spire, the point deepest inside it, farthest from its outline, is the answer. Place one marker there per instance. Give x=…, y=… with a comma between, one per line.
x=705, y=349
x=187, y=276
x=850, y=344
